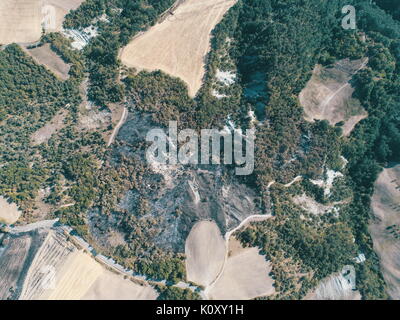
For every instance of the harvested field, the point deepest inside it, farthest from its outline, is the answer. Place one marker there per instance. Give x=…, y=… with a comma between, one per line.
x=110, y=286
x=21, y=20
x=205, y=253
x=75, y=277
x=50, y=128
x=231, y=272
x=9, y=212
x=328, y=95
x=385, y=228
x=179, y=44
x=62, y=7
x=39, y=262
x=47, y=57
x=51, y=256
x=245, y=276
x=12, y=261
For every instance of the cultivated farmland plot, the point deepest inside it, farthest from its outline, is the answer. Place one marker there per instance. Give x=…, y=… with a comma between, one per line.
x=22, y=21
x=385, y=228
x=179, y=44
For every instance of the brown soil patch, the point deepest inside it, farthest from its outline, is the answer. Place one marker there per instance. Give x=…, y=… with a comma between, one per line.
x=47, y=57
x=45, y=133
x=328, y=95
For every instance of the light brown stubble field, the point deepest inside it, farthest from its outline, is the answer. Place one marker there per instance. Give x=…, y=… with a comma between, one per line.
x=179, y=44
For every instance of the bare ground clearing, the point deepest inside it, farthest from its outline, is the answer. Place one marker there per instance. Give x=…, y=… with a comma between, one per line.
x=9, y=212
x=338, y=286
x=50, y=128
x=328, y=95
x=47, y=57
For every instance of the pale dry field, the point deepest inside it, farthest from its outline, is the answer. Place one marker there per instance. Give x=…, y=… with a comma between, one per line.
x=385, y=228
x=328, y=95
x=47, y=57
x=52, y=255
x=9, y=212
x=231, y=272
x=245, y=276
x=83, y=278
x=75, y=277
x=179, y=44
x=110, y=286
x=21, y=20
x=205, y=251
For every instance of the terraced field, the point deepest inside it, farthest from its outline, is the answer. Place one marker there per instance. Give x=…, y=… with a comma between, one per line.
x=43, y=264
x=12, y=261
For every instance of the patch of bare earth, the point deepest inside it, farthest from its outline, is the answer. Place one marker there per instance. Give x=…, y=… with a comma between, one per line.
x=328, y=95
x=52, y=127
x=385, y=227
x=94, y=119
x=338, y=286
x=310, y=205
x=47, y=57
x=9, y=212
x=179, y=44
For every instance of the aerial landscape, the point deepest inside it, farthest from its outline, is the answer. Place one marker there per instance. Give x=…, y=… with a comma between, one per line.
x=200, y=150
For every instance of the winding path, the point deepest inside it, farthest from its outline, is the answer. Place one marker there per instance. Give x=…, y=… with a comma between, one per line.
x=118, y=126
